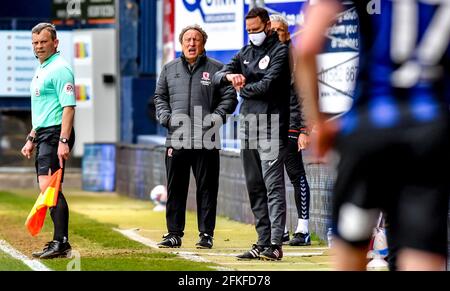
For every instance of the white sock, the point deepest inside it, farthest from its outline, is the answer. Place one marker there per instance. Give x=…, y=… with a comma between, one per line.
x=285, y=229
x=302, y=226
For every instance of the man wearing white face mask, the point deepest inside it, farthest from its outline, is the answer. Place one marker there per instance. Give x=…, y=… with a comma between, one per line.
x=260, y=73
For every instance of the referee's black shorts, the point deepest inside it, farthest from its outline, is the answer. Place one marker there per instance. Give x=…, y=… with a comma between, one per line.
x=47, y=142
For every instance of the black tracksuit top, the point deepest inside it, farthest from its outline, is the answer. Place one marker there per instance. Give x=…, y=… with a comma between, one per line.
x=267, y=73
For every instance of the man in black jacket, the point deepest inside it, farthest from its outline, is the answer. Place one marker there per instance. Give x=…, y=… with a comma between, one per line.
x=260, y=73
x=192, y=109
x=298, y=141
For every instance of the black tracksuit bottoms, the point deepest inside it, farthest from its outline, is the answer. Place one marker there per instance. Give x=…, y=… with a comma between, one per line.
x=296, y=172
x=267, y=193
x=205, y=165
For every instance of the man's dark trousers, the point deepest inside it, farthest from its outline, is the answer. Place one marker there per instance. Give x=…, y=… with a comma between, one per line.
x=205, y=166
x=267, y=193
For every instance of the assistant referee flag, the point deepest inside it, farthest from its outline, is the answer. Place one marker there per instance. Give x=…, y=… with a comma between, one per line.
x=35, y=219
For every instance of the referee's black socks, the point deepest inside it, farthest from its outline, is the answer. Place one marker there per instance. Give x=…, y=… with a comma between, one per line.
x=60, y=217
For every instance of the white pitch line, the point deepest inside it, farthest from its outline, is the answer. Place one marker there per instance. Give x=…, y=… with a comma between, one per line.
x=220, y=268
x=286, y=254
x=257, y=262
x=33, y=264
x=197, y=257
x=285, y=269
x=304, y=248
x=132, y=234
x=191, y=256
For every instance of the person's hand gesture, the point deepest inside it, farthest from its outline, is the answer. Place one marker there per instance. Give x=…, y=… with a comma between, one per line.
x=303, y=141
x=63, y=153
x=27, y=149
x=237, y=80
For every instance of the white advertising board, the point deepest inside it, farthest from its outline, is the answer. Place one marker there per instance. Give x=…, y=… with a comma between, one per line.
x=222, y=20
x=18, y=63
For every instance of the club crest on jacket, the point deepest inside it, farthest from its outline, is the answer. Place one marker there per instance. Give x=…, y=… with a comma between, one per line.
x=206, y=80
x=264, y=62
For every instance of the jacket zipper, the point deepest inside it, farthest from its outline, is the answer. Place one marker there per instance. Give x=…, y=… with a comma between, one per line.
x=190, y=95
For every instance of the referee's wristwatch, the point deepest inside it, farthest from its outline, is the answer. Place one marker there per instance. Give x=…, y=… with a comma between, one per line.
x=31, y=138
x=63, y=140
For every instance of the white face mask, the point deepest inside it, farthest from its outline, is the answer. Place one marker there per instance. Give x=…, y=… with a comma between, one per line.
x=257, y=38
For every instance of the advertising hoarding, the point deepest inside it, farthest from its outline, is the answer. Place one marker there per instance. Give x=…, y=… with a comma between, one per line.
x=224, y=21
x=18, y=63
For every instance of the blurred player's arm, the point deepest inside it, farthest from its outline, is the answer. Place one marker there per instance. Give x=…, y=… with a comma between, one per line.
x=318, y=18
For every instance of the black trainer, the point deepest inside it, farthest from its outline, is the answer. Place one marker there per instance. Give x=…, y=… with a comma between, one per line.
x=37, y=254
x=301, y=239
x=272, y=253
x=170, y=241
x=56, y=249
x=205, y=242
x=252, y=254
x=285, y=239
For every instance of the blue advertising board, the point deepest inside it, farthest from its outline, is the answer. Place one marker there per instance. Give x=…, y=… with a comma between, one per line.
x=98, y=167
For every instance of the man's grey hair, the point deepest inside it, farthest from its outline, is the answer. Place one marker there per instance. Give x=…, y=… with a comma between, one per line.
x=47, y=26
x=194, y=27
x=279, y=18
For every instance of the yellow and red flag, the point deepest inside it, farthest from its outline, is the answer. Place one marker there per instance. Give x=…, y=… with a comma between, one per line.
x=35, y=219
